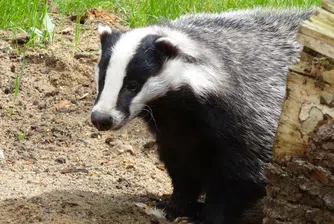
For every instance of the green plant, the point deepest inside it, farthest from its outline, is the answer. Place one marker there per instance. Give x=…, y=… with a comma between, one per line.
x=27, y=16
x=19, y=77
x=22, y=136
x=11, y=111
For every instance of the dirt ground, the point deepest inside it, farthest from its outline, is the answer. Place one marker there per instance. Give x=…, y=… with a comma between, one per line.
x=54, y=165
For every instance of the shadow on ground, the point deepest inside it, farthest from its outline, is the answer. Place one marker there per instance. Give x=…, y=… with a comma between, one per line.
x=75, y=207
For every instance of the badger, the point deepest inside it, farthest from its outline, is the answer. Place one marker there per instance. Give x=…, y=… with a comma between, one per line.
x=210, y=88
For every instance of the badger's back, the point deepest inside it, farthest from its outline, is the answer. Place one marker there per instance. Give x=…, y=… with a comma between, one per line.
x=254, y=49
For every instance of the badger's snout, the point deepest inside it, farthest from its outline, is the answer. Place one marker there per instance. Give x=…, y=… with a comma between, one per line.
x=101, y=121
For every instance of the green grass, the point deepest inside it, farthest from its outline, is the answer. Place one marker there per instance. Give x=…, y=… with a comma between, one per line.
x=27, y=15
x=144, y=12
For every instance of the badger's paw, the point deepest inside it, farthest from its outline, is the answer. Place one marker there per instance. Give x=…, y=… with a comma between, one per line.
x=192, y=213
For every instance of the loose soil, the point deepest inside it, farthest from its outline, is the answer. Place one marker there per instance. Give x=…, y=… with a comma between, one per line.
x=57, y=168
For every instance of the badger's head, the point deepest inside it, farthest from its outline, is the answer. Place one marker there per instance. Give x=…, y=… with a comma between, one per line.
x=139, y=66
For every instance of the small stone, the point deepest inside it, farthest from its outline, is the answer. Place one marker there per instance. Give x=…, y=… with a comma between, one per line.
x=149, y=145
x=161, y=167
x=21, y=39
x=29, y=134
x=116, y=143
x=37, y=171
x=83, y=140
x=62, y=104
x=34, y=127
x=60, y=160
x=109, y=140
x=128, y=148
x=52, y=93
x=2, y=155
x=42, y=106
x=67, y=30
x=120, y=150
x=35, y=103
x=82, y=55
x=83, y=96
x=7, y=91
x=74, y=102
x=130, y=166
x=45, y=71
x=86, y=83
x=95, y=135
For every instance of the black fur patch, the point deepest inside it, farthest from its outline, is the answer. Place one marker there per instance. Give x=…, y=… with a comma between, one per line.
x=146, y=62
x=201, y=148
x=107, y=42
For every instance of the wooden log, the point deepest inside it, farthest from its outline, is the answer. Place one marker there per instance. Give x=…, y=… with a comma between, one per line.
x=301, y=177
x=309, y=97
x=317, y=33
x=328, y=5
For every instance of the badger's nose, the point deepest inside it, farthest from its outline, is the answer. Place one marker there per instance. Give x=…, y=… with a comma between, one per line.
x=101, y=121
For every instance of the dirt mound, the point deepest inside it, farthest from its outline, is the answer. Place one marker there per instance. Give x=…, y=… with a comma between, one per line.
x=55, y=167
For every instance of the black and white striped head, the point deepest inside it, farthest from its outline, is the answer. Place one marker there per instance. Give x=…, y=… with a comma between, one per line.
x=139, y=66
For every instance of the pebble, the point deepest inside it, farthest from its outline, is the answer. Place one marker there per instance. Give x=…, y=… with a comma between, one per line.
x=83, y=55
x=115, y=143
x=29, y=133
x=109, y=140
x=42, y=106
x=128, y=148
x=52, y=93
x=34, y=127
x=2, y=155
x=149, y=145
x=83, y=140
x=21, y=39
x=95, y=135
x=7, y=91
x=74, y=102
x=67, y=30
x=60, y=160
x=45, y=71
x=130, y=166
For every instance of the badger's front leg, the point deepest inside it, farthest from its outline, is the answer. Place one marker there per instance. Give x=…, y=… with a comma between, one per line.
x=185, y=194
x=186, y=191
x=187, y=183
x=215, y=201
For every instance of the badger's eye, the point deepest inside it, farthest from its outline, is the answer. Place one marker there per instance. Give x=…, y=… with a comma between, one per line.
x=132, y=86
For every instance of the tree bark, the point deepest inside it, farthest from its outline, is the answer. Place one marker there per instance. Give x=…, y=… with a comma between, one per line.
x=301, y=176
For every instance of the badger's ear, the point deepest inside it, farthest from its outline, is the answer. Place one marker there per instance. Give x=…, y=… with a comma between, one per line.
x=104, y=31
x=167, y=46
